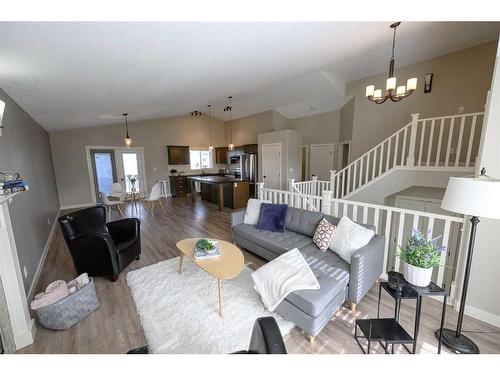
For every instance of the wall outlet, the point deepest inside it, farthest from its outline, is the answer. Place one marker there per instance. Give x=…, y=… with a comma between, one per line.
x=460, y=110
x=25, y=271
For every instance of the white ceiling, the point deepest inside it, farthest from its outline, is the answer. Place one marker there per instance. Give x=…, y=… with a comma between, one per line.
x=69, y=75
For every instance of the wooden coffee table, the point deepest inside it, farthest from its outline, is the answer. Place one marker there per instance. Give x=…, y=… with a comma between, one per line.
x=227, y=266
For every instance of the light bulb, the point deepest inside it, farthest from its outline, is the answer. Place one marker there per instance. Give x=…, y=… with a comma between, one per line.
x=231, y=146
x=401, y=91
x=210, y=148
x=128, y=141
x=391, y=83
x=369, y=90
x=377, y=94
x=411, y=84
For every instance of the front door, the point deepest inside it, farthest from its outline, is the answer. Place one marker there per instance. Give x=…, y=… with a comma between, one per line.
x=321, y=161
x=104, y=168
x=271, y=165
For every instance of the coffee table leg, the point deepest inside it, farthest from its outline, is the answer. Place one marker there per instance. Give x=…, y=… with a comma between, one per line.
x=180, y=262
x=219, y=287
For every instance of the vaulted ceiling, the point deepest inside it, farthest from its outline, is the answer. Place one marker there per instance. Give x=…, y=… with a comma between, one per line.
x=70, y=75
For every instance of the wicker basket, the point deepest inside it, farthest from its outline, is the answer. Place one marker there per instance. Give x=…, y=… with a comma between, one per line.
x=65, y=313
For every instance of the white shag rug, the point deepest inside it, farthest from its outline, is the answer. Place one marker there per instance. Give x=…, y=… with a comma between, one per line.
x=179, y=313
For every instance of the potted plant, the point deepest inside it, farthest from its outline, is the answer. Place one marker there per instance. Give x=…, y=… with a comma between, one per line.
x=133, y=179
x=173, y=172
x=420, y=255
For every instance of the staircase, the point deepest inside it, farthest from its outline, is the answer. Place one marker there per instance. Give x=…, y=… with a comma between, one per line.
x=424, y=152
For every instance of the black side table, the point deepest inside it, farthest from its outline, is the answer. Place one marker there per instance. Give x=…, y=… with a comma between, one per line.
x=414, y=292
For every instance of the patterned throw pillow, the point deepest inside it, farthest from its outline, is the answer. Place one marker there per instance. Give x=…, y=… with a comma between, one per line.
x=323, y=234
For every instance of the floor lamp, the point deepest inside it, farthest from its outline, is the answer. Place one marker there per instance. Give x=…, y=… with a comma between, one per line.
x=476, y=197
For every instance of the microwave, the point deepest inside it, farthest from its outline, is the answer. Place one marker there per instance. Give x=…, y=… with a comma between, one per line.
x=234, y=159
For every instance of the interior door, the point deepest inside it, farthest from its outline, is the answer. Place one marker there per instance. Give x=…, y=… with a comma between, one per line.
x=271, y=165
x=321, y=161
x=104, y=170
x=130, y=162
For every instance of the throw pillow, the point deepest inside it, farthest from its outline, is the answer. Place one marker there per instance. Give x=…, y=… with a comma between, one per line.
x=323, y=234
x=272, y=217
x=253, y=211
x=349, y=237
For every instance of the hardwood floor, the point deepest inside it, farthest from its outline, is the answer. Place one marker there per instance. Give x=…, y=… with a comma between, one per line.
x=115, y=326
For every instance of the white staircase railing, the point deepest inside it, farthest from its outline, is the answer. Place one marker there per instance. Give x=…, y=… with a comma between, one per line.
x=392, y=222
x=447, y=142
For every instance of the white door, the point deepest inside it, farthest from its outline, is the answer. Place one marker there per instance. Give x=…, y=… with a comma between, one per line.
x=271, y=165
x=130, y=162
x=321, y=161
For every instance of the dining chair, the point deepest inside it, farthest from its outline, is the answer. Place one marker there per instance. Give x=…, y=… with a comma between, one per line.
x=117, y=191
x=110, y=205
x=155, y=197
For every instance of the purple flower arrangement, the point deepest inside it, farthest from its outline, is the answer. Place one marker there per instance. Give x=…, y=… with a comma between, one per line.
x=422, y=251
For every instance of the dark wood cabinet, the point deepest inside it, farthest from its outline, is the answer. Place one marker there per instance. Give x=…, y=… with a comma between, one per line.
x=178, y=155
x=251, y=149
x=179, y=186
x=221, y=155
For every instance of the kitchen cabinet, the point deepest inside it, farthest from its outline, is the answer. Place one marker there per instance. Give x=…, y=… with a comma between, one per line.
x=221, y=155
x=178, y=155
x=250, y=149
x=179, y=186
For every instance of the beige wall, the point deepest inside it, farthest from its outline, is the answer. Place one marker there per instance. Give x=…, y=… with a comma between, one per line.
x=319, y=129
x=460, y=79
x=70, y=163
x=346, y=121
x=25, y=148
x=246, y=129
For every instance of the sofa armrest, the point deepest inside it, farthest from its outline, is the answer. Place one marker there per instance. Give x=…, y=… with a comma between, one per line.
x=367, y=264
x=124, y=229
x=237, y=217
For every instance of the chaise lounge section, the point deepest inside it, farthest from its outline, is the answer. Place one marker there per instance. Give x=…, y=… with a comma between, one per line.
x=339, y=281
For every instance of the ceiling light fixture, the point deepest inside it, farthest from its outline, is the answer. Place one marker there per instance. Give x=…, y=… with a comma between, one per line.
x=211, y=147
x=128, y=140
x=229, y=108
x=2, y=109
x=401, y=91
x=196, y=113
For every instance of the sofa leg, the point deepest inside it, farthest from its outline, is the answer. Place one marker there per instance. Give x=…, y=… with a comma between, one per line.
x=312, y=339
x=353, y=307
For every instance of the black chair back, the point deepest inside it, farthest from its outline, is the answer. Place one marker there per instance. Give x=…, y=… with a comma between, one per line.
x=90, y=220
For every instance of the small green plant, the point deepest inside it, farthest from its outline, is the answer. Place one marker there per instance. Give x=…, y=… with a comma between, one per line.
x=421, y=251
x=204, y=245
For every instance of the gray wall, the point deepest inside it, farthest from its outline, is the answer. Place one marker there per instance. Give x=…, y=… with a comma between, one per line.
x=25, y=148
x=70, y=162
x=460, y=79
x=346, y=121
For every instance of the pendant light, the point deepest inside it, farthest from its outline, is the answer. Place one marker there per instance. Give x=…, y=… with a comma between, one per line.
x=128, y=140
x=229, y=108
x=211, y=147
x=401, y=91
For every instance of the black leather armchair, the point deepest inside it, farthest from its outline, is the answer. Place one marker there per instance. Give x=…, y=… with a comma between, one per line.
x=266, y=338
x=100, y=248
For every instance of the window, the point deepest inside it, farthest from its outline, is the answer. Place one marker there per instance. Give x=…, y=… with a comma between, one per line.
x=200, y=158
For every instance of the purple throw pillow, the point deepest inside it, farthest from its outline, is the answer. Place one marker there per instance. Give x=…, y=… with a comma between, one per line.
x=272, y=217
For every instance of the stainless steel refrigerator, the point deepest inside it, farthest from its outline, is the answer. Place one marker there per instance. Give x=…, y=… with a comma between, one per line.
x=249, y=171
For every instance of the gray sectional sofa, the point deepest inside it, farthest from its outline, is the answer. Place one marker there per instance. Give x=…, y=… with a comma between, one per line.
x=311, y=310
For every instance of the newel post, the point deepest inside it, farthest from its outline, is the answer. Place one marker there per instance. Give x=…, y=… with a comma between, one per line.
x=291, y=183
x=260, y=190
x=314, y=187
x=326, y=202
x=410, y=160
x=332, y=179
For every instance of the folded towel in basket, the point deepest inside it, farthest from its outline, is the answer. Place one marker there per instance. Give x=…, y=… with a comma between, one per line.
x=78, y=283
x=54, y=292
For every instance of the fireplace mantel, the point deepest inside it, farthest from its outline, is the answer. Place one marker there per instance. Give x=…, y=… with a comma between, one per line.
x=23, y=327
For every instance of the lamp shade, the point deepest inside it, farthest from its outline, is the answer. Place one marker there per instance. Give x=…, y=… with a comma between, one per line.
x=478, y=196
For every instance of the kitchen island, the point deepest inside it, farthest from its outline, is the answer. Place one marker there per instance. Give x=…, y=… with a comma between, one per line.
x=225, y=191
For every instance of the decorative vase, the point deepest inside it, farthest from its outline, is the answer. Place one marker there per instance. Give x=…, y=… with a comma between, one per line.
x=416, y=275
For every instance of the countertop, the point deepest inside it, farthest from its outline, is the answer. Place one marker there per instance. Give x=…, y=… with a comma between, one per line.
x=216, y=179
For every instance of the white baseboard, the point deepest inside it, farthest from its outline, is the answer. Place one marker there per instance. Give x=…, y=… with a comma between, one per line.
x=479, y=314
x=27, y=337
x=81, y=205
x=42, y=259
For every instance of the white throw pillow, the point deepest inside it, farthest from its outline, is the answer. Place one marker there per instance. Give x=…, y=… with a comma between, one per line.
x=349, y=237
x=253, y=211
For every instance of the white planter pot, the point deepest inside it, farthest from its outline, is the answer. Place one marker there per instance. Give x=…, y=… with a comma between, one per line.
x=417, y=276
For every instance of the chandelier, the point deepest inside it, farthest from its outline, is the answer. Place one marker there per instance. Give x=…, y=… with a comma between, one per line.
x=401, y=91
x=211, y=147
x=127, y=140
